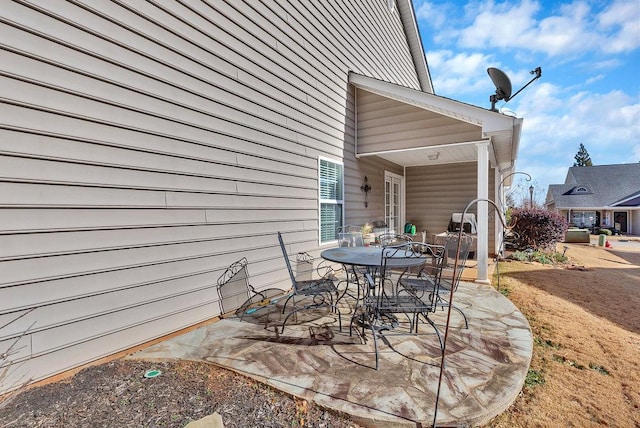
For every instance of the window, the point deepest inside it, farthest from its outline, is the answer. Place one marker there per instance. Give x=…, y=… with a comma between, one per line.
x=583, y=218
x=579, y=190
x=331, y=190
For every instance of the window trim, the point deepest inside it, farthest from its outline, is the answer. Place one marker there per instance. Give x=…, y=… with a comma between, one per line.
x=329, y=201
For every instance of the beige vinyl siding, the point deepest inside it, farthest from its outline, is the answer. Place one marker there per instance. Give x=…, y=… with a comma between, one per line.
x=385, y=124
x=373, y=168
x=434, y=192
x=145, y=146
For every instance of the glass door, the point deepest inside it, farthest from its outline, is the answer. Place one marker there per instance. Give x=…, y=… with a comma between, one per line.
x=393, y=202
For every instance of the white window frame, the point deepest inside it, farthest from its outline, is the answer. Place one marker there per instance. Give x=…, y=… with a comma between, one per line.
x=321, y=201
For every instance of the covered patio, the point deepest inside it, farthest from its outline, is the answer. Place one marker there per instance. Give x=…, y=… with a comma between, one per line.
x=485, y=365
x=447, y=153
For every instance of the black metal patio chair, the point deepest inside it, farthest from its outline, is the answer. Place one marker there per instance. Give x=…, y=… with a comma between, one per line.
x=447, y=281
x=237, y=294
x=383, y=308
x=315, y=293
x=391, y=239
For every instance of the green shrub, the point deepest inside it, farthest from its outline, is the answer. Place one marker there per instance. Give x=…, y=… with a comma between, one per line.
x=533, y=378
x=542, y=257
x=537, y=228
x=604, y=232
x=521, y=256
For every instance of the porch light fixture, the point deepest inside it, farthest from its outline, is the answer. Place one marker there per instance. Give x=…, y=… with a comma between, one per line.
x=366, y=189
x=433, y=156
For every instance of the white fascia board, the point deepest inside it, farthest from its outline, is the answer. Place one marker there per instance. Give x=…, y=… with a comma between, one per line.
x=491, y=122
x=412, y=32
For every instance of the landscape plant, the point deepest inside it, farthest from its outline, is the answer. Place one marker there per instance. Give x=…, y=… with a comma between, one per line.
x=536, y=229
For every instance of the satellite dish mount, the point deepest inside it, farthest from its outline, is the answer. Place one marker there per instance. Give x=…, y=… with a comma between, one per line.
x=503, y=85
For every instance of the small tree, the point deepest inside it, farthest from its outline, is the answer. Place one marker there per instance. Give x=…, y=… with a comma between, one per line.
x=582, y=157
x=537, y=228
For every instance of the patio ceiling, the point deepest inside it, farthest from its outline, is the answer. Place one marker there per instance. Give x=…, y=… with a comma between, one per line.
x=411, y=128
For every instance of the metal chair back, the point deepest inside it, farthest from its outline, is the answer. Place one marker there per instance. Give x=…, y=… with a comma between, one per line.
x=287, y=261
x=233, y=286
x=393, y=239
x=350, y=239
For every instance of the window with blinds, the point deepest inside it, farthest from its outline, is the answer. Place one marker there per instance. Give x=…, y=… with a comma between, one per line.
x=331, y=178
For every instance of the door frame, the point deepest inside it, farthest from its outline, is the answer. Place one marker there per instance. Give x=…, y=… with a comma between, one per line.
x=623, y=224
x=389, y=177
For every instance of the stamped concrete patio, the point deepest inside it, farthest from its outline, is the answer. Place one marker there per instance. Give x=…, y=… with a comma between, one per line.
x=485, y=365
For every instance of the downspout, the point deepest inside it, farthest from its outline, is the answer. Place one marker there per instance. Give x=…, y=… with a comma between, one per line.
x=355, y=118
x=404, y=196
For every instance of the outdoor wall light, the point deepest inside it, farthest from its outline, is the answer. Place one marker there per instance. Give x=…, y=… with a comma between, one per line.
x=433, y=156
x=366, y=189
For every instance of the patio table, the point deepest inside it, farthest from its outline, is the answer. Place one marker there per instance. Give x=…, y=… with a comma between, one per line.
x=369, y=258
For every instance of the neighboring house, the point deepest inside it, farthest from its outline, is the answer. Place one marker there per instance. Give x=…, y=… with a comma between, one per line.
x=145, y=146
x=605, y=196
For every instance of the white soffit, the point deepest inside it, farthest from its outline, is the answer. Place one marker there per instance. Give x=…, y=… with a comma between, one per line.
x=502, y=130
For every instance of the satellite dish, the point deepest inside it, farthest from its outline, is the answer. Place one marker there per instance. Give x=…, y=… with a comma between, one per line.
x=503, y=85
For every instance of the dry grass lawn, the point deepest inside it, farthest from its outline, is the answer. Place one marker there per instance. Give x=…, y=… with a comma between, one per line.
x=585, y=318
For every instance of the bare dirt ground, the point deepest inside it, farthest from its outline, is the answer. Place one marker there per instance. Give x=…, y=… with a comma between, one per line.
x=585, y=371
x=585, y=317
x=116, y=394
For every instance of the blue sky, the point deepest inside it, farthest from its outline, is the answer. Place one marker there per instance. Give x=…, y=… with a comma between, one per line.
x=589, y=92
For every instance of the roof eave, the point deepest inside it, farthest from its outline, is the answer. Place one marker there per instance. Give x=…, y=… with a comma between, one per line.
x=412, y=32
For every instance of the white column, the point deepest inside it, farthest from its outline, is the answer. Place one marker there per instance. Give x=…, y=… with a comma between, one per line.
x=500, y=201
x=483, y=213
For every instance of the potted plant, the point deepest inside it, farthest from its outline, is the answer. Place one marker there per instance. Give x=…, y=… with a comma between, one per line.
x=368, y=237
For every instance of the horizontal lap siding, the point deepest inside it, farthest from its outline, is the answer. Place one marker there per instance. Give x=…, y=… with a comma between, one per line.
x=437, y=191
x=146, y=146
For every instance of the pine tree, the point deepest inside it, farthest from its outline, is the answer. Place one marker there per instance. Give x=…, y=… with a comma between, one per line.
x=582, y=157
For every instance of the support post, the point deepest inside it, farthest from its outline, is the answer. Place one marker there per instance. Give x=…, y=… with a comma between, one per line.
x=483, y=213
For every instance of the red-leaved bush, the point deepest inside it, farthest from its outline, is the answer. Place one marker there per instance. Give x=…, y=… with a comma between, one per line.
x=536, y=228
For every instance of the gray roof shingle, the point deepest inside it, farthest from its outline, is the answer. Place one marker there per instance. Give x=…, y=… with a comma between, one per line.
x=604, y=184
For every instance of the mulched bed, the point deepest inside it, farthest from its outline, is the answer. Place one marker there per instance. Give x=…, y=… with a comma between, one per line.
x=116, y=394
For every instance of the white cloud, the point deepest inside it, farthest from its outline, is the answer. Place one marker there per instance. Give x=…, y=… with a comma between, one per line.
x=607, y=124
x=588, y=92
x=435, y=14
x=574, y=29
x=594, y=79
x=622, y=18
x=499, y=25
x=459, y=73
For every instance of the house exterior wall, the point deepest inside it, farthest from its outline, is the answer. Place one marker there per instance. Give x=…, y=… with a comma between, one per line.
x=384, y=125
x=373, y=168
x=634, y=222
x=145, y=146
x=434, y=192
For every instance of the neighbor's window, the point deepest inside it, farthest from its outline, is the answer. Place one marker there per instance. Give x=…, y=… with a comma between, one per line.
x=331, y=199
x=583, y=218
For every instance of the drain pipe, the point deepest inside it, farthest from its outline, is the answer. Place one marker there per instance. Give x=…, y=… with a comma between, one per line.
x=453, y=278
